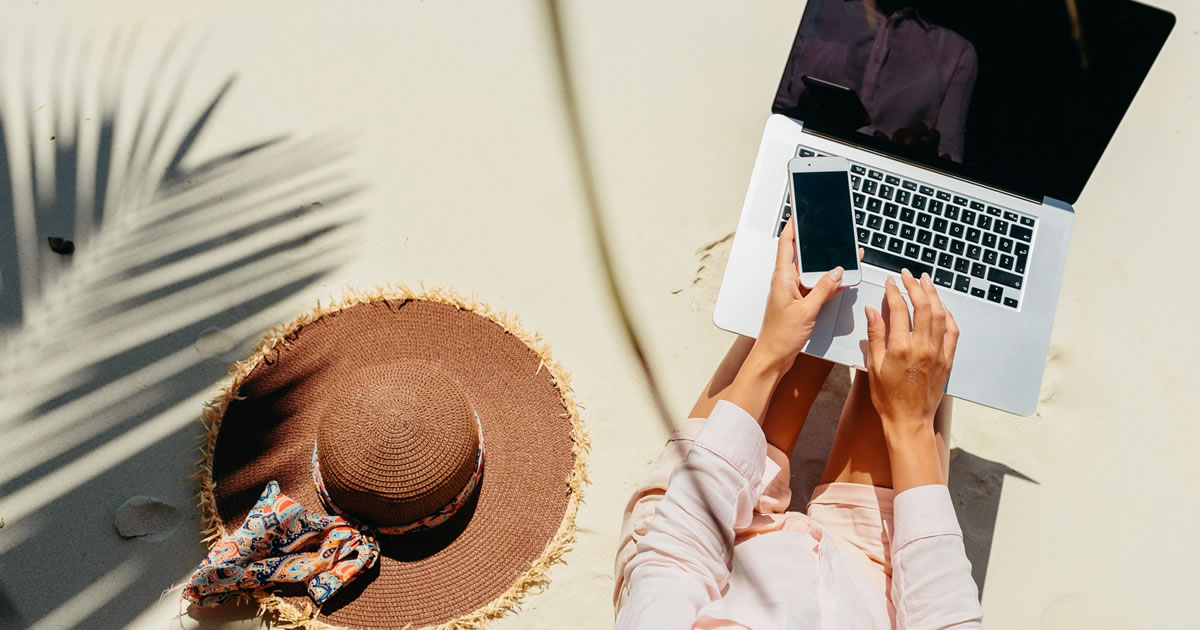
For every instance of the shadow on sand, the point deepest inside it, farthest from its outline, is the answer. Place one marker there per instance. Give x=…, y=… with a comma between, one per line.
x=182, y=261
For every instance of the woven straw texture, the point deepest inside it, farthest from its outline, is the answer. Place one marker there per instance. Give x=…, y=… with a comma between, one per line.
x=479, y=564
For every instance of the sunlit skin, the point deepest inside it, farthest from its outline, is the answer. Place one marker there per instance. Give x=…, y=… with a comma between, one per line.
x=894, y=425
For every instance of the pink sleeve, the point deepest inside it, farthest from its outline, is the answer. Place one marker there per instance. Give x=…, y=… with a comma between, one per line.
x=931, y=576
x=682, y=563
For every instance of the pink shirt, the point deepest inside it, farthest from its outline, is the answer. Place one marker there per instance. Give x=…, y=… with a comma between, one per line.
x=688, y=571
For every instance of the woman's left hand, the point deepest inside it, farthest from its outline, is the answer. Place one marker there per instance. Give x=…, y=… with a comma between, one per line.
x=791, y=309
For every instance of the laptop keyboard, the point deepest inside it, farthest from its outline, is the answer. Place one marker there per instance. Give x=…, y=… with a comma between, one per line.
x=964, y=244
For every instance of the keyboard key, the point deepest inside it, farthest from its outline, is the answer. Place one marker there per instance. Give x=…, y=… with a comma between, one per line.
x=806, y=153
x=974, y=252
x=874, y=204
x=869, y=187
x=968, y=217
x=860, y=217
x=855, y=181
x=891, y=262
x=886, y=191
x=928, y=255
x=978, y=270
x=903, y=196
x=940, y=225
x=912, y=250
x=945, y=260
x=989, y=256
x=943, y=278
x=907, y=185
x=962, y=283
x=874, y=221
x=859, y=200
x=895, y=245
x=973, y=235
x=878, y=239
x=1010, y=302
x=1000, y=226
x=993, y=210
x=1022, y=257
x=1021, y=233
x=908, y=232
x=890, y=210
x=919, y=201
x=952, y=212
x=935, y=206
x=924, y=237
x=943, y=195
x=864, y=236
x=923, y=220
x=926, y=190
x=956, y=230
x=890, y=226
x=1006, y=245
x=989, y=239
x=941, y=242
x=1027, y=221
x=892, y=179
x=977, y=206
x=1006, y=261
x=1009, y=215
x=957, y=246
x=962, y=265
x=995, y=293
x=962, y=201
x=984, y=222
x=978, y=293
x=908, y=214
x=855, y=168
x=1005, y=278
x=873, y=174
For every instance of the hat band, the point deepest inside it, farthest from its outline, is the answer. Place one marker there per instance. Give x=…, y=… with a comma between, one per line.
x=428, y=522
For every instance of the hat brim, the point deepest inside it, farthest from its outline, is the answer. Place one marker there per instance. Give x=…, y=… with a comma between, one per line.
x=473, y=568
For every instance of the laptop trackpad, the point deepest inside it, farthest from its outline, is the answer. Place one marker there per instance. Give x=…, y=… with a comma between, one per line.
x=849, y=345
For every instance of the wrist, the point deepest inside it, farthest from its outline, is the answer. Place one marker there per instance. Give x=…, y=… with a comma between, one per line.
x=906, y=431
x=765, y=363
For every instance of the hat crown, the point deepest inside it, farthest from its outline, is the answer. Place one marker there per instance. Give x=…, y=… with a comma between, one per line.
x=396, y=443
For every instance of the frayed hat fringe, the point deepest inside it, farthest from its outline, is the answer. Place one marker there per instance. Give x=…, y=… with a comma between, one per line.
x=278, y=612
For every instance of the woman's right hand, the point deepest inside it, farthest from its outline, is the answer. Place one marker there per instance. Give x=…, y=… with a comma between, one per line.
x=909, y=361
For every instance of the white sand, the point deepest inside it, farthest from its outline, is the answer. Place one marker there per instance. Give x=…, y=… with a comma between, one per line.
x=447, y=113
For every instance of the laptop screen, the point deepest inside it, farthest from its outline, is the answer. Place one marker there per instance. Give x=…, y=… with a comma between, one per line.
x=1021, y=95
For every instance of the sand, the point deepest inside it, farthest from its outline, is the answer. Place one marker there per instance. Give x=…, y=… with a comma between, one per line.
x=425, y=144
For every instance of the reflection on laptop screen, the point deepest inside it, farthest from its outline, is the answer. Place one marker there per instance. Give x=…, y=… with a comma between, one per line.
x=1021, y=95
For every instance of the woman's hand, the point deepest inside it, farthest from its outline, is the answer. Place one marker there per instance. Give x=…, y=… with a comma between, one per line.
x=909, y=362
x=791, y=309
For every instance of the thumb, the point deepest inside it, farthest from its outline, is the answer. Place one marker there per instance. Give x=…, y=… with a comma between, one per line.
x=826, y=287
x=876, y=336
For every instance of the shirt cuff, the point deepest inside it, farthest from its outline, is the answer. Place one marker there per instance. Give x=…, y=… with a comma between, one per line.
x=734, y=436
x=922, y=512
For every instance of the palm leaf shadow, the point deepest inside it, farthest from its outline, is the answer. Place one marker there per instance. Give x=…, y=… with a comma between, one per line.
x=182, y=261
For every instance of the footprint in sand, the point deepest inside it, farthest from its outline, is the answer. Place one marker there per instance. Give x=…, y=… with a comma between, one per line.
x=214, y=342
x=710, y=267
x=146, y=518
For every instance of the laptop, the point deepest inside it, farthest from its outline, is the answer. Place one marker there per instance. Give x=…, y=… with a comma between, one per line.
x=970, y=129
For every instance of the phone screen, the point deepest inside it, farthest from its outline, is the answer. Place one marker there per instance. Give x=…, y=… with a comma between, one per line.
x=824, y=228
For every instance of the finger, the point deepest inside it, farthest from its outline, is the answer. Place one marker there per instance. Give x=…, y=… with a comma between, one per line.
x=897, y=311
x=826, y=287
x=937, y=312
x=861, y=252
x=786, y=254
x=950, y=343
x=920, y=303
x=876, y=338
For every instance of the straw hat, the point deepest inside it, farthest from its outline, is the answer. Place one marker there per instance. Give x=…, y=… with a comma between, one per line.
x=436, y=426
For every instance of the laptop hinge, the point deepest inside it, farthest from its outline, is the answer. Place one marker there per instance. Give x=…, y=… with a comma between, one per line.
x=898, y=158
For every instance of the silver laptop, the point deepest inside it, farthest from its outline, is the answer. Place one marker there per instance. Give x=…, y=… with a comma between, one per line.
x=970, y=129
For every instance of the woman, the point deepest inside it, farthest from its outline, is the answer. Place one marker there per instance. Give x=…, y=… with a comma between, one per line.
x=707, y=542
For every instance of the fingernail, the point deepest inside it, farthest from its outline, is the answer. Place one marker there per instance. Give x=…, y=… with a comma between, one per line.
x=925, y=279
x=889, y=280
x=906, y=273
x=835, y=274
x=870, y=316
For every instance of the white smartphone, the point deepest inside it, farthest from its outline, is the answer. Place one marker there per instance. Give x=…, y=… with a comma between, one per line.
x=820, y=192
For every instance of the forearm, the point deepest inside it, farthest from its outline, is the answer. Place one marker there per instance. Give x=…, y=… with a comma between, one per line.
x=914, y=453
x=755, y=383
